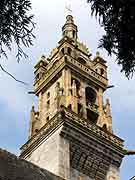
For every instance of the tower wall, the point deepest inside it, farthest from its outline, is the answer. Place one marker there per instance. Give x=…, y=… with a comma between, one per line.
x=53, y=155
x=75, y=174
x=71, y=134
x=113, y=173
x=52, y=108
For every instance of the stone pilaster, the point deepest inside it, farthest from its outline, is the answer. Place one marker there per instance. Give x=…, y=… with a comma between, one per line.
x=74, y=88
x=57, y=95
x=40, y=106
x=74, y=93
x=66, y=82
x=83, y=98
x=100, y=109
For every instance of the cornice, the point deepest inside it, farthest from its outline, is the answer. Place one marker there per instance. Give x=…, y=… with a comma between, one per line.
x=87, y=72
x=74, y=65
x=49, y=75
x=65, y=117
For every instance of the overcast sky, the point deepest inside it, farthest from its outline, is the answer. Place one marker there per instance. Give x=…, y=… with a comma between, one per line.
x=15, y=103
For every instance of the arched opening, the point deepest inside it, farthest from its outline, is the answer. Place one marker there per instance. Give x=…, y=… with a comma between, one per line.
x=36, y=130
x=77, y=87
x=66, y=58
x=62, y=51
x=81, y=60
x=48, y=104
x=37, y=76
x=69, y=51
x=91, y=116
x=102, y=71
x=74, y=34
x=47, y=118
x=48, y=95
x=58, y=84
x=90, y=96
x=104, y=127
x=71, y=92
x=80, y=109
x=70, y=106
x=90, y=103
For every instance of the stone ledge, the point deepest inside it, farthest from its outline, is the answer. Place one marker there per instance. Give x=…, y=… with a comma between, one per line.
x=64, y=116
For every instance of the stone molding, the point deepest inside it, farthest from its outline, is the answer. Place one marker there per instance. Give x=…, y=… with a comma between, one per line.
x=63, y=117
x=76, y=66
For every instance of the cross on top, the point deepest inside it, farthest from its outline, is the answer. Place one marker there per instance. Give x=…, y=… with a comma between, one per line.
x=68, y=7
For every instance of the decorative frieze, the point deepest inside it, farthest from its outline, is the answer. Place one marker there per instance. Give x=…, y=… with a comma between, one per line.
x=55, y=68
x=66, y=116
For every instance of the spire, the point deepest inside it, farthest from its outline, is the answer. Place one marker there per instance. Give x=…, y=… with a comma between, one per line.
x=70, y=29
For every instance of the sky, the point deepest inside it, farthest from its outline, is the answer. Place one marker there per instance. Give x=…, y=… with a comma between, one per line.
x=16, y=103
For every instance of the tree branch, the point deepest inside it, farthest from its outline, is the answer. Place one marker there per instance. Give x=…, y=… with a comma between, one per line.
x=12, y=75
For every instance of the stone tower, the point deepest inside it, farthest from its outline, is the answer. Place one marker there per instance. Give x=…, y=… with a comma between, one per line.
x=71, y=132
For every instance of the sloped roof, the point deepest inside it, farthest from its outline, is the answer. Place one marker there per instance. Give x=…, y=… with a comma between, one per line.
x=15, y=168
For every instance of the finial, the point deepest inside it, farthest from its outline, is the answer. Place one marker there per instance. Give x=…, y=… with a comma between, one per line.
x=43, y=56
x=33, y=109
x=68, y=8
x=107, y=101
x=69, y=19
x=97, y=54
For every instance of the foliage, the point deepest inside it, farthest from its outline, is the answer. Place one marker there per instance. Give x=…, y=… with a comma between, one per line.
x=118, y=20
x=16, y=26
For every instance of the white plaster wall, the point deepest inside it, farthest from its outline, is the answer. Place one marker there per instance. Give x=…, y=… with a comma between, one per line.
x=46, y=155
x=53, y=155
x=64, y=158
x=113, y=173
x=76, y=175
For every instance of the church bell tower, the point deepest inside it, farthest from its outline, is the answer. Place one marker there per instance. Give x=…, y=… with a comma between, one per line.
x=71, y=131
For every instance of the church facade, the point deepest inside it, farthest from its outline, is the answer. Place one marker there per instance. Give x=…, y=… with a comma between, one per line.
x=71, y=132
